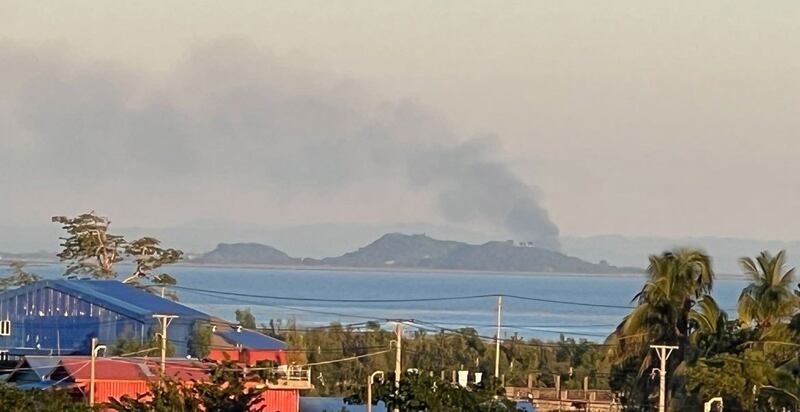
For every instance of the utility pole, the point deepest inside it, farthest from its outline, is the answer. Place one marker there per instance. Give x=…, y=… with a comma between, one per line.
x=497, y=337
x=164, y=321
x=95, y=348
x=398, y=367
x=663, y=352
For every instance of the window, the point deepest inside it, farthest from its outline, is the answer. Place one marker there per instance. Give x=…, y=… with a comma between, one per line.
x=3, y=355
x=5, y=328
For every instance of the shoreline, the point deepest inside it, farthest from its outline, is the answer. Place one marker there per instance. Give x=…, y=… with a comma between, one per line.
x=381, y=270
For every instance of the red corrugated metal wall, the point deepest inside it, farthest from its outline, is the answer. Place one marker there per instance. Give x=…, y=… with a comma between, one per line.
x=103, y=390
x=281, y=400
x=224, y=354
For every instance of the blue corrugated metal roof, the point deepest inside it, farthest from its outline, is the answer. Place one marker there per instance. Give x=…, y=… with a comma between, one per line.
x=117, y=296
x=252, y=340
x=129, y=297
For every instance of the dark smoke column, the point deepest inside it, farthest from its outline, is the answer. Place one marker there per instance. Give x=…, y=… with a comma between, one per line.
x=473, y=186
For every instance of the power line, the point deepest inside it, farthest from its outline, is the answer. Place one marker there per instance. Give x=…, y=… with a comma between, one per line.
x=405, y=300
x=305, y=299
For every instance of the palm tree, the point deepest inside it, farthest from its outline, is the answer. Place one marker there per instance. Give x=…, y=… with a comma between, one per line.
x=676, y=281
x=708, y=326
x=768, y=299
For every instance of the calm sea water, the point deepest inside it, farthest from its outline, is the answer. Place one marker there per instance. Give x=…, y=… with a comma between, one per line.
x=528, y=318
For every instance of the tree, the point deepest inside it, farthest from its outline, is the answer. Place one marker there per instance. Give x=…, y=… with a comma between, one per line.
x=89, y=248
x=711, y=332
x=225, y=390
x=420, y=392
x=676, y=281
x=17, y=400
x=148, y=255
x=768, y=299
x=129, y=343
x=165, y=395
x=735, y=377
x=17, y=276
x=245, y=318
x=200, y=340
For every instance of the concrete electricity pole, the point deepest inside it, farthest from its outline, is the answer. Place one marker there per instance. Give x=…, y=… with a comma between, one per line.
x=398, y=367
x=663, y=352
x=497, y=338
x=164, y=321
x=95, y=348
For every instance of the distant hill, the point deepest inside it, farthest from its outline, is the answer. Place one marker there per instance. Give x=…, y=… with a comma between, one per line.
x=420, y=251
x=507, y=257
x=41, y=256
x=394, y=249
x=246, y=254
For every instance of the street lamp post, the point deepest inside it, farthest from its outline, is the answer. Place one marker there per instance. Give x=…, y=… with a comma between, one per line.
x=369, y=388
x=95, y=348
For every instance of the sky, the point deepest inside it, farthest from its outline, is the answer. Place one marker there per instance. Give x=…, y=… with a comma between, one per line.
x=528, y=119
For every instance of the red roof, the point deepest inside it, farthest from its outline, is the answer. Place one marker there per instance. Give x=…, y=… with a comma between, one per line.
x=107, y=369
x=185, y=370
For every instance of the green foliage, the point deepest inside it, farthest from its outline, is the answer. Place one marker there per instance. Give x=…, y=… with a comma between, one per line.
x=419, y=392
x=768, y=299
x=245, y=318
x=200, y=339
x=129, y=342
x=224, y=391
x=440, y=353
x=16, y=400
x=166, y=395
x=89, y=249
x=735, y=377
x=148, y=255
x=677, y=280
x=751, y=362
x=17, y=276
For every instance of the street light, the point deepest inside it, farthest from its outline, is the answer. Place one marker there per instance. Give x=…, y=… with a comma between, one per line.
x=369, y=388
x=95, y=348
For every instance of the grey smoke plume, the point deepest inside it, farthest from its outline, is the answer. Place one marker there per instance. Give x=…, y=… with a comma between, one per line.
x=231, y=117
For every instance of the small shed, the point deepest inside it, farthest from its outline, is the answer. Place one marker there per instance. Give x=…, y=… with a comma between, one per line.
x=246, y=346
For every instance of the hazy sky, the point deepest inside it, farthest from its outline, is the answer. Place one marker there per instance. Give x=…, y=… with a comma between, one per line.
x=677, y=119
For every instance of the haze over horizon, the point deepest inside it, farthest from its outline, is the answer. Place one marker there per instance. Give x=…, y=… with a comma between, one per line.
x=531, y=120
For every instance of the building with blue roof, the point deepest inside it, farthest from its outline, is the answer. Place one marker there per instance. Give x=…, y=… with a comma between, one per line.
x=60, y=317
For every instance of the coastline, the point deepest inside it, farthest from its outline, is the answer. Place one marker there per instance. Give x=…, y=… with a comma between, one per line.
x=419, y=270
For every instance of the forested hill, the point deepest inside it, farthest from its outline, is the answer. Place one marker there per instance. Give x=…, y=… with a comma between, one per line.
x=397, y=250
x=246, y=254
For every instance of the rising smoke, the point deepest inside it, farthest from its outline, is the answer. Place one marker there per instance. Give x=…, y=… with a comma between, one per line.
x=232, y=115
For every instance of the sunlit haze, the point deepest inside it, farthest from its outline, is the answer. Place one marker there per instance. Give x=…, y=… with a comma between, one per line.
x=535, y=119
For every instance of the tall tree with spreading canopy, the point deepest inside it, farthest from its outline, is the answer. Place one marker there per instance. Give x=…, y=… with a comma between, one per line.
x=89, y=249
x=148, y=255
